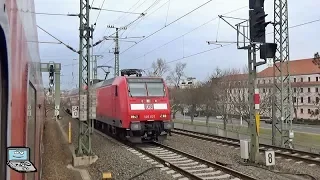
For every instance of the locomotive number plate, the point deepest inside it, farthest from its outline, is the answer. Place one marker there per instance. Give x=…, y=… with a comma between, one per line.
x=148, y=106
x=149, y=116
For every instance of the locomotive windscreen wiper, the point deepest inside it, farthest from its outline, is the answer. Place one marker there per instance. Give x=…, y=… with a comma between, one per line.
x=129, y=92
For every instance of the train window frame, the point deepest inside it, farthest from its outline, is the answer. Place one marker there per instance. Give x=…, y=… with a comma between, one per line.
x=5, y=125
x=132, y=95
x=162, y=88
x=32, y=146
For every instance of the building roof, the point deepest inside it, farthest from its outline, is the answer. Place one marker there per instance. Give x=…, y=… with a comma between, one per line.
x=296, y=67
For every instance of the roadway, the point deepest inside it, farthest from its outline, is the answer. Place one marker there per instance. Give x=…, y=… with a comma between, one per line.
x=296, y=127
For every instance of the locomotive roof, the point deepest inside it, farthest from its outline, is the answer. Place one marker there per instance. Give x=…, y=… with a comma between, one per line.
x=129, y=79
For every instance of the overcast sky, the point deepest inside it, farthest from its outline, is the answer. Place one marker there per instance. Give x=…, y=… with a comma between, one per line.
x=304, y=40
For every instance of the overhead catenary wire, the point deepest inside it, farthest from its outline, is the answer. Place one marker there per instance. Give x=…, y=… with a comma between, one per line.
x=195, y=54
x=205, y=51
x=176, y=20
x=207, y=22
x=69, y=47
x=95, y=23
x=115, y=22
x=140, y=17
x=131, y=23
x=181, y=17
x=167, y=14
x=198, y=53
x=147, y=15
x=49, y=14
x=117, y=11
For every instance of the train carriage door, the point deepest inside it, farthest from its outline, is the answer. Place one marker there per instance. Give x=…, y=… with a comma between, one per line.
x=4, y=94
x=31, y=125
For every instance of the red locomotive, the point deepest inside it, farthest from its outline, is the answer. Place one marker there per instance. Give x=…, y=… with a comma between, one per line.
x=136, y=108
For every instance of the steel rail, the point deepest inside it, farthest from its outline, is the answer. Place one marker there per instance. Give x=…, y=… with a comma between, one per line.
x=236, y=142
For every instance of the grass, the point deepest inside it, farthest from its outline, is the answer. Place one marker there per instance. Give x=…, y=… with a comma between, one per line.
x=303, y=139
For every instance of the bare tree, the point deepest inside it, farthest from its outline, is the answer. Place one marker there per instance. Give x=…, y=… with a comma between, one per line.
x=237, y=88
x=296, y=98
x=176, y=74
x=176, y=96
x=316, y=102
x=159, y=68
x=192, y=99
x=212, y=92
x=174, y=78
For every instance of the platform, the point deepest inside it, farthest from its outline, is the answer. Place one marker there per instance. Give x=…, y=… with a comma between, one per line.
x=57, y=157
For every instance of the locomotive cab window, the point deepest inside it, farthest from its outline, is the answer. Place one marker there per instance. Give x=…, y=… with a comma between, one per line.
x=137, y=89
x=155, y=89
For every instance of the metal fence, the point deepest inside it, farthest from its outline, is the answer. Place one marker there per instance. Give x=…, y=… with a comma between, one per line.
x=239, y=132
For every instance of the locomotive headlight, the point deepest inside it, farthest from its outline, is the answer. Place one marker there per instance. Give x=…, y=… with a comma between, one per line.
x=163, y=116
x=134, y=116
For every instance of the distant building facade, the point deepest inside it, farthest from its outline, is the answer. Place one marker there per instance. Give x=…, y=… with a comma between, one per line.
x=305, y=85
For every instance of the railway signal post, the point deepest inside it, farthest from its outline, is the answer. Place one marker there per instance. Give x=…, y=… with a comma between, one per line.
x=84, y=154
x=116, y=48
x=256, y=27
x=282, y=108
x=54, y=80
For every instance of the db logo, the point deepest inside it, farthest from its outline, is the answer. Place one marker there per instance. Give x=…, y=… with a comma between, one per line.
x=149, y=106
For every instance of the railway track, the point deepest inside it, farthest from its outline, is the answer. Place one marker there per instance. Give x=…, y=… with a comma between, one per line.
x=300, y=156
x=187, y=165
x=184, y=165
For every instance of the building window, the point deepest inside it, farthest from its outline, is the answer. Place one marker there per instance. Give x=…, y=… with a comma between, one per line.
x=309, y=111
x=317, y=90
x=301, y=79
x=294, y=79
x=301, y=99
x=309, y=90
x=294, y=89
x=270, y=90
x=301, y=90
x=308, y=79
x=317, y=111
x=294, y=99
x=264, y=81
x=269, y=80
x=317, y=79
x=317, y=99
x=309, y=99
x=258, y=81
x=301, y=111
x=264, y=90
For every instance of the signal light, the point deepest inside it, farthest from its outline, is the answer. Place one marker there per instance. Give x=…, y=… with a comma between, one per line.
x=268, y=50
x=51, y=74
x=257, y=25
x=253, y=4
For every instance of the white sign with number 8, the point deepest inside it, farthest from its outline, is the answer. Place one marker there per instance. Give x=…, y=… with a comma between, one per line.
x=270, y=158
x=75, y=111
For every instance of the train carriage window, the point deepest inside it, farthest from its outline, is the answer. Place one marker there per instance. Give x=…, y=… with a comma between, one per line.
x=155, y=89
x=137, y=89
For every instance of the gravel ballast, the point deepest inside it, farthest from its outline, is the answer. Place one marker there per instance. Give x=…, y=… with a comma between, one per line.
x=229, y=155
x=115, y=158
